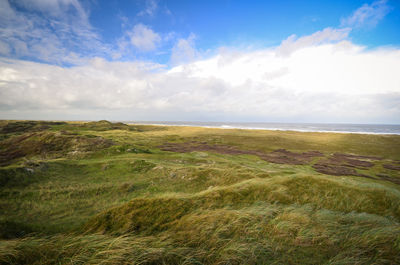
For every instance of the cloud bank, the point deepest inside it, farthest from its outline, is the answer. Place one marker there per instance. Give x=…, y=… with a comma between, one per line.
x=318, y=80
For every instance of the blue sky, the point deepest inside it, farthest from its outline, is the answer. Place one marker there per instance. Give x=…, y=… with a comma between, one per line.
x=254, y=23
x=213, y=24
x=295, y=61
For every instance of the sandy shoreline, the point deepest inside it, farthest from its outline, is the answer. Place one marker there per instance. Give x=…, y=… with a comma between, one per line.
x=229, y=127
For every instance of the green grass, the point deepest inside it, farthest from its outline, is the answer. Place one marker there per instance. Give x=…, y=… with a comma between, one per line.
x=132, y=203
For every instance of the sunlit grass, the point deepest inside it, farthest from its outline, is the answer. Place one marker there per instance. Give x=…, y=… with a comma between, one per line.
x=132, y=203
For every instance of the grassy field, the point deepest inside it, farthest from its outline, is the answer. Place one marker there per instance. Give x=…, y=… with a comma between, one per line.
x=111, y=193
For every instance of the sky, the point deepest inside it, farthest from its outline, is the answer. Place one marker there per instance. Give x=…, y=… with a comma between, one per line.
x=157, y=60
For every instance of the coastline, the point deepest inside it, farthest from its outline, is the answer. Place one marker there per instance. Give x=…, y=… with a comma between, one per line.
x=232, y=127
x=302, y=127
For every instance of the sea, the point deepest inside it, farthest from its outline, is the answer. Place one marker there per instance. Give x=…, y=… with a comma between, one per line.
x=300, y=127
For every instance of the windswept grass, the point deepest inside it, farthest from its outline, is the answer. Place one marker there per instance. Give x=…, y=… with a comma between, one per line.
x=71, y=198
x=149, y=215
x=259, y=234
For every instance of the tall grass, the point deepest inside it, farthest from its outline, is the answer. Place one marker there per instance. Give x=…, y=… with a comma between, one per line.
x=132, y=203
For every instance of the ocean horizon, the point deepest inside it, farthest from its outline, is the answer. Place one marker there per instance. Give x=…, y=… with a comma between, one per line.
x=300, y=127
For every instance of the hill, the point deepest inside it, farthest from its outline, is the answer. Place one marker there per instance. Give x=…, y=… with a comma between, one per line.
x=113, y=193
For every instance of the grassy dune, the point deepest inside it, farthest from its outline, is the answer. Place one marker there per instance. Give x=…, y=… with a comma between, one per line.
x=111, y=193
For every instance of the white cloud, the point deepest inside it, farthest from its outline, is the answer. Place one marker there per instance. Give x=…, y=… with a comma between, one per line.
x=184, y=50
x=144, y=38
x=4, y=48
x=99, y=84
x=55, y=7
x=151, y=8
x=327, y=35
x=49, y=31
x=324, y=82
x=339, y=67
x=367, y=15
